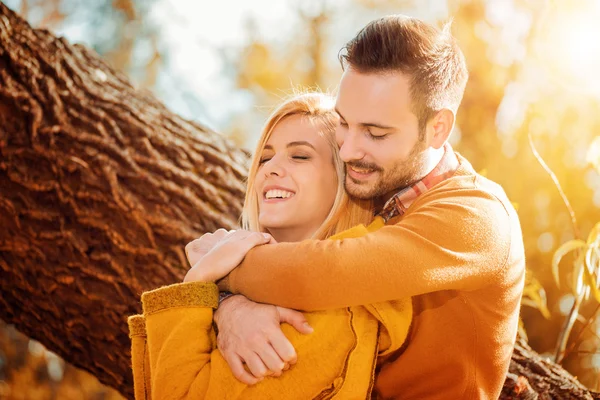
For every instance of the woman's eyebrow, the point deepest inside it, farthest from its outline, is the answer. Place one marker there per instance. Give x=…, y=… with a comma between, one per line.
x=301, y=143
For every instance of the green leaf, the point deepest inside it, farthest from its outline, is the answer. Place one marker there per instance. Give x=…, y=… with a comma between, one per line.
x=578, y=275
x=565, y=248
x=591, y=280
x=594, y=236
x=534, y=295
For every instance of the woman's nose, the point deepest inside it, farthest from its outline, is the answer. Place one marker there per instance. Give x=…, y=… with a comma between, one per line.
x=273, y=167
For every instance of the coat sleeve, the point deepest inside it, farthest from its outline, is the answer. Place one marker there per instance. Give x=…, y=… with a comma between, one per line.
x=140, y=362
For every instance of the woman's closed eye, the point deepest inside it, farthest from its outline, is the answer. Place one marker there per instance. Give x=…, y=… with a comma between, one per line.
x=301, y=157
x=263, y=160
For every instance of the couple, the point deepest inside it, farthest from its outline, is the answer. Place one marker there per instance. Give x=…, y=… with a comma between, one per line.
x=420, y=301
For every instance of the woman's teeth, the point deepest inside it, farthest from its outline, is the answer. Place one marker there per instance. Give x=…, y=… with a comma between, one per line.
x=278, y=194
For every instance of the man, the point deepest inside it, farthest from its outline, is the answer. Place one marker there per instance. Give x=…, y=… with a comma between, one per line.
x=452, y=240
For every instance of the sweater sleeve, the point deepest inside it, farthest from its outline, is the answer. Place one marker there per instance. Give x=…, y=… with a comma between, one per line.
x=445, y=243
x=181, y=344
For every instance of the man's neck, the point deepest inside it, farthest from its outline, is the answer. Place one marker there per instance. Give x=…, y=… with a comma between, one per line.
x=433, y=158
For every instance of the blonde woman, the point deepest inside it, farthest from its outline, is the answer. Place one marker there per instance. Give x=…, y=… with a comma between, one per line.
x=295, y=192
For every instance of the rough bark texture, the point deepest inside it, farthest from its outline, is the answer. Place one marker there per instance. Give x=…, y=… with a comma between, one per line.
x=100, y=188
x=534, y=377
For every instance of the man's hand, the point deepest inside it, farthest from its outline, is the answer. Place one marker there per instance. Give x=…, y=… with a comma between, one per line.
x=250, y=333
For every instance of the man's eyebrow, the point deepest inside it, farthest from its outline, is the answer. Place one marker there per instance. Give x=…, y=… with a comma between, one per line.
x=300, y=143
x=375, y=125
x=368, y=124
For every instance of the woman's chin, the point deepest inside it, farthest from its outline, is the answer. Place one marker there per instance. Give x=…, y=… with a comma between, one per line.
x=270, y=224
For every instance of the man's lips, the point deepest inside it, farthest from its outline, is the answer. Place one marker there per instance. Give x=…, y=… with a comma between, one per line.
x=360, y=173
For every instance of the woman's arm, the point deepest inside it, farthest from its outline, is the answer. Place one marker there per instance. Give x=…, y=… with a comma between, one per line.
x=181, y=343
x=185, y=364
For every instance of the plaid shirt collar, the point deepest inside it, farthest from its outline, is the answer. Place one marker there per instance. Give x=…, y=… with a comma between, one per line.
x=400, y=202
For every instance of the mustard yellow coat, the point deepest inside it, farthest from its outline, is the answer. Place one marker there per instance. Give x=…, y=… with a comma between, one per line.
x=174, y=353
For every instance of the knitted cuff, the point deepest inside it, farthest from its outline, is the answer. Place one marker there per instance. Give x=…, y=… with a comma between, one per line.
x=137, y=325
x=190, y=294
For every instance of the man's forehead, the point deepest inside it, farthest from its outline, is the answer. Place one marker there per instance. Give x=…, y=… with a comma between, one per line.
x=370, y=97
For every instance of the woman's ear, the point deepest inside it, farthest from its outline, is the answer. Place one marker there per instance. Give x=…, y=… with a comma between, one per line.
x=439, y=127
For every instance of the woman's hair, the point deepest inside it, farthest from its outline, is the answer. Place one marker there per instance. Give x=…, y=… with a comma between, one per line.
x=318, y=109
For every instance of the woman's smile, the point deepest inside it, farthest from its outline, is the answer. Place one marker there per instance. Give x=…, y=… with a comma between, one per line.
x=275, y=194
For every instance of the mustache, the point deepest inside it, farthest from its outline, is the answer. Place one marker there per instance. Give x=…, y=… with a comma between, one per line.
x=364, y=165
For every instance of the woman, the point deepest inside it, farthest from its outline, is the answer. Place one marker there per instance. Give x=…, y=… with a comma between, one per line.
x=295, y=192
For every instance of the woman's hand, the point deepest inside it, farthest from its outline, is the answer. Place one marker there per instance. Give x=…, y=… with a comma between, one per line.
x=198, y=248
x=227, y=250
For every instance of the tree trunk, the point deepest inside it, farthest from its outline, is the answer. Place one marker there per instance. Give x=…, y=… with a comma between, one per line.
x=100, y=188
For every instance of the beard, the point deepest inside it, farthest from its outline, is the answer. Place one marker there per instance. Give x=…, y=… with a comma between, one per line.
x=401, y=175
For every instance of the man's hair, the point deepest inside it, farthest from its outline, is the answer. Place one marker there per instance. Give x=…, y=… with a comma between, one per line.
x=429, y=56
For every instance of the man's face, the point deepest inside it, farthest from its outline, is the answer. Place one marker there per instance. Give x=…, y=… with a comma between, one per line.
x=378, y=134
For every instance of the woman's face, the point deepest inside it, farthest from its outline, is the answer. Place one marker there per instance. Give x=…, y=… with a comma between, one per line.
x=296, y=182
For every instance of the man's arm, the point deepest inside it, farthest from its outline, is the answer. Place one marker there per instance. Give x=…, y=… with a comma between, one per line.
x=444, y=244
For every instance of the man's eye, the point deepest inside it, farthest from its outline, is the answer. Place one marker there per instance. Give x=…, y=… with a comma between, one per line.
x=374, y=137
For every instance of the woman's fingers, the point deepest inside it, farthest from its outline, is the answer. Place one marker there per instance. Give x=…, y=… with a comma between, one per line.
x=226, y=254
x=198, y=248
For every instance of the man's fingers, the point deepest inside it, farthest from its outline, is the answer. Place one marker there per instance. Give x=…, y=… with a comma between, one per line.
x=284, y=349
x=296, y=319
x=256, y=366
x=272, y=360
x=238, y=370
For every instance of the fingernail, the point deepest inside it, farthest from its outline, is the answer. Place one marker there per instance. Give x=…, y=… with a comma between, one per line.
x=266, y=235
x=307, y=326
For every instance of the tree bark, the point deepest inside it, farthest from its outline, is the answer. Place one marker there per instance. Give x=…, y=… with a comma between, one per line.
x=100, y=188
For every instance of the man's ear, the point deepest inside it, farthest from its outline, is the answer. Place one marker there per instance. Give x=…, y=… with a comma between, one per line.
x=440, y=126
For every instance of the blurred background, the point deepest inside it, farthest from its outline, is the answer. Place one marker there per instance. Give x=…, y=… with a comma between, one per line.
x=535, y=74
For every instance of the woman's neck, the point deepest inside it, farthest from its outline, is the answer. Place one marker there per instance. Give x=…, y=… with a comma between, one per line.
x=296, y=234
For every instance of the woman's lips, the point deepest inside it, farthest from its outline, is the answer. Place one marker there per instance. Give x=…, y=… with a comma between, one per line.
x=277, y=194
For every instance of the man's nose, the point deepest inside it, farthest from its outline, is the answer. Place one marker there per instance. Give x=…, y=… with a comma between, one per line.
x=350, y=147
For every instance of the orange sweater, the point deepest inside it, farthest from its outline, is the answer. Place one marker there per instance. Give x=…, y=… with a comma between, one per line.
x=458, y=250
x=174, y=355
